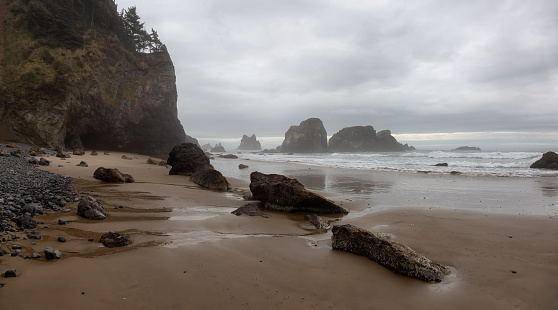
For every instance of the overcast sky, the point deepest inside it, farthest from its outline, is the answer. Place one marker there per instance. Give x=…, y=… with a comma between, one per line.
x=441, y=69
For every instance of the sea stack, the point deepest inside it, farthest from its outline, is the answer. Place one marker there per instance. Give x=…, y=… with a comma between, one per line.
x=308, y=137
x=250, y=143
x=365, y=139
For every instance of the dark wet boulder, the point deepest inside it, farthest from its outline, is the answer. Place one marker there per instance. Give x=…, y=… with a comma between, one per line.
x=10, y=273
x=251, y=209
x=62, y=155
x=79, y=152
x=187, y=158
x=549, y=160
x=82, y=164
x=25, y=221
x=242, y=166
x=308, y=137
x=318, y=221
x=280, y=193
x=228, y=156
x=112, y=175
x=50, y=253
x=90, y=208
x=211, y=179
x=114, y=239
x=249, y=143
x=44, y=162
x=388, y=253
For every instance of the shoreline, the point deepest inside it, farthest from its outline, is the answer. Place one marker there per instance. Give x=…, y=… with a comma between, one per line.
x=188, y=252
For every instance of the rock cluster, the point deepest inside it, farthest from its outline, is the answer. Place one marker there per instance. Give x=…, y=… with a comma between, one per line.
x=26, y=191
x=391, y=254
x=308, y=137
x=249, y=143
x=549, y=160
x=280, y=193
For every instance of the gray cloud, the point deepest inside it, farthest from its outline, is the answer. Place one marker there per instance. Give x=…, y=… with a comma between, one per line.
x=412, y=66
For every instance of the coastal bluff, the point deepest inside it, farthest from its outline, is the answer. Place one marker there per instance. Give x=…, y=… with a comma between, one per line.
x=72, y=78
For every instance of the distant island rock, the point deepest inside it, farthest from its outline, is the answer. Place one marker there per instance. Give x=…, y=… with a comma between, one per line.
x=549, y=160
x=308, y=137
x=76, y=87
x=218, y=148
x=250, y=143
x=467, y=148
x=206, y=147
x=365, y=139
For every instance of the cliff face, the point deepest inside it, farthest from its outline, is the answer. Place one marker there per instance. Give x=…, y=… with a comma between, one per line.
x=80, y=85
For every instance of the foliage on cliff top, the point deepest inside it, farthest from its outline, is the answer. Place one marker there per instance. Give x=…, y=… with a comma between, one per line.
x=53, y=44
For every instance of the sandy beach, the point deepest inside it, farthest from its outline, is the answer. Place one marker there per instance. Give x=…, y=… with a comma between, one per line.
x=188, y=252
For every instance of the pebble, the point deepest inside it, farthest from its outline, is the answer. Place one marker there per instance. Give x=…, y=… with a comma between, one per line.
x=61, y=239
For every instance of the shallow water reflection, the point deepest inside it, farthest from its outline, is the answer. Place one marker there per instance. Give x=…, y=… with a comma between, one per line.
x=549, y=186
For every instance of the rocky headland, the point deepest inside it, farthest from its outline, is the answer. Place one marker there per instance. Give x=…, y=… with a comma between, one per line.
x=73, y=78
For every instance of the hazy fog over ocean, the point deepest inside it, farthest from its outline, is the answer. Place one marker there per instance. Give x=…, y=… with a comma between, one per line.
x=438, y=74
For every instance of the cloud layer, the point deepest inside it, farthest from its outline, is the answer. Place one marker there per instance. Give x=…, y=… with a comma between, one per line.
x=434, y=66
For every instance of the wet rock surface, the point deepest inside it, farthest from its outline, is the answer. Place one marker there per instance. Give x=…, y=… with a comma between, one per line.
x=549, y=160
x=114, y=239
x=251, y=209
x=211, y=179
x=280, y=193
x=389, y=253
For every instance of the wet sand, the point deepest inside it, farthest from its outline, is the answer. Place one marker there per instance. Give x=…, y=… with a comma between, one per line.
x=188, y=252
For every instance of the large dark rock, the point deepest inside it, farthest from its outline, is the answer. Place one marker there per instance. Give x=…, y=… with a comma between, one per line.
x=280, y=193
x=90, y=208
x=112, y=175
x=211, y=179
x=364, y=139
x=391, y=254
x=549, y=160
x=250, y=143
x=308, y=137
x=114, y=239
x=187, y=158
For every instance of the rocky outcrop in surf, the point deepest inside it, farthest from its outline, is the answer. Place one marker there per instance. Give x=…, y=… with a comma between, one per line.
x=365, y=139
x=549, y=160
x=308, y=137
x=249, y=143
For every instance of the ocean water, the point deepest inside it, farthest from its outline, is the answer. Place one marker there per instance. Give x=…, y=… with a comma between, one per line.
x=479, y=163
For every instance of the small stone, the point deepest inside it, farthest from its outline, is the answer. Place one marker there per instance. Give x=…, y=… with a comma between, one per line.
x=61, y=239
x=36, y=255
x=10, y=273
x=16, y=247
x=90, y=239
x=50, y=253
x=61, y=222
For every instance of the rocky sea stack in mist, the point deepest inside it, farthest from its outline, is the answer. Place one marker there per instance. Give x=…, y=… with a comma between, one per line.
x=311, y=137
x=73, y=77
x=365, y=139
x=549, y=160
x=250, y=143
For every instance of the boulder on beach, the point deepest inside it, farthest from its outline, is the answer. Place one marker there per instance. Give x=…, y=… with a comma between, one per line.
x=249, y=143
x=79, y=152
x=211, y=179
x=388, y=253
x=242, y=166
x=549, y=160
x=90, y=208
x=318, y=221
x=50, y=253
x=26, y=222
x=251, y=209
x=114, y=239
x=112, y=175
x=187, y=158
x=308, y=137
x=280, y=193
